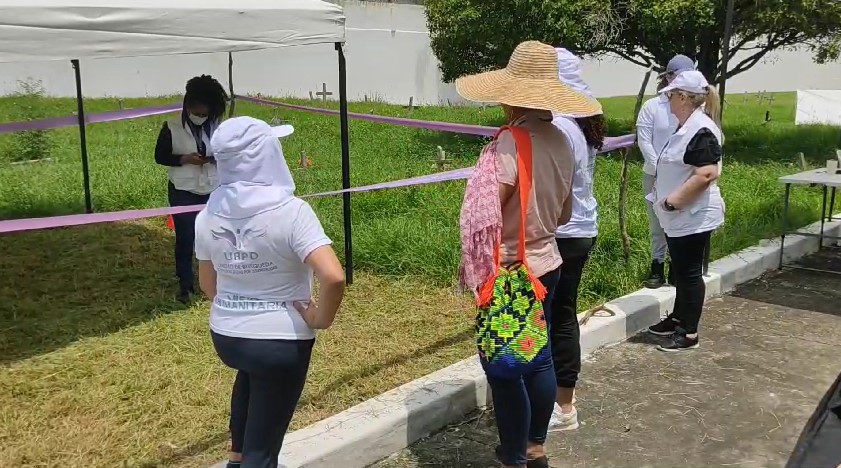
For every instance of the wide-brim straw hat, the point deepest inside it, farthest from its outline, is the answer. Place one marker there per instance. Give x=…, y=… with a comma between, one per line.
x=531, y=81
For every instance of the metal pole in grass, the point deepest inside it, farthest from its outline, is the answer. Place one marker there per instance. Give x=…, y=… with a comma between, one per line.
x=83, y=140
x=343, y=122
x=725, y=49
x=232, y=109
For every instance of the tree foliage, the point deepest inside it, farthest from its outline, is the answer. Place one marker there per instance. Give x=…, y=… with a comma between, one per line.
x=470, y=36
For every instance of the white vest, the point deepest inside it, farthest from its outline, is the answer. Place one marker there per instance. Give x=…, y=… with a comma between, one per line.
x=200, y=180
x=707, y=212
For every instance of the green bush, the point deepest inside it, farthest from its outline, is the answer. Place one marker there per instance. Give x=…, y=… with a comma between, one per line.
x=29, y=104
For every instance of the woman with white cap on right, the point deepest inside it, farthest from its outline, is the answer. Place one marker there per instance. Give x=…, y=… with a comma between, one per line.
x=687, y=200
x=655, y=124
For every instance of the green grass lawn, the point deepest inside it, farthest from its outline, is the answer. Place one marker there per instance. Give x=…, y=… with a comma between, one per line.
x=99, y=367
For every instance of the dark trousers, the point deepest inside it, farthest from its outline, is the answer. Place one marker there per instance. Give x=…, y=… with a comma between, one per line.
x=524, y=405
x=185, y=234
x=563, y=329
x=687, y=254
x=270, y=378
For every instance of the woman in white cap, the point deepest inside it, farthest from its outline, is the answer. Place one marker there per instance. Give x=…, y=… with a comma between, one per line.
x=655, y=124
x=520, y=192
x=687, y=200
x=585, y=134
x=258, y=246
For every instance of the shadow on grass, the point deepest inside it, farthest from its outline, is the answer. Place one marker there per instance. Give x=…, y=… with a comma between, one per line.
x=63, y=285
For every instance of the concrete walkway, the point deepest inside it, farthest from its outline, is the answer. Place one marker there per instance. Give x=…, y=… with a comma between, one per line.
x=769, y=352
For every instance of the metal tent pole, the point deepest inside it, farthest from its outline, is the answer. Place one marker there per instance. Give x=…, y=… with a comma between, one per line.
x=83, y=140
x=343, y=122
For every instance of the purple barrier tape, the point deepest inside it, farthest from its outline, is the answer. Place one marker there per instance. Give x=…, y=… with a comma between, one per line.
x=72, y=120
x=16, y=225
x=610, y=143
x=424, y=124
x=29, y=224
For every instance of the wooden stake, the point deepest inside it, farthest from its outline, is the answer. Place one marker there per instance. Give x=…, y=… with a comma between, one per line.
x=623, y=182
x=801, y=161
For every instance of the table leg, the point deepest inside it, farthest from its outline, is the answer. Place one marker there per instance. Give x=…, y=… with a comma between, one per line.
x=784, y=223
x=823, y=217
x=832, y=204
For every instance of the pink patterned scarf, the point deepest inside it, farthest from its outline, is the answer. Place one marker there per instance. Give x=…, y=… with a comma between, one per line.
x=480, y=223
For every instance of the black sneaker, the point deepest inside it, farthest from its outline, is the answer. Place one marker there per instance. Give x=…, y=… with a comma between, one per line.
x=666, y=327
x=185, y=295
x=680, y=342
x=657, y=278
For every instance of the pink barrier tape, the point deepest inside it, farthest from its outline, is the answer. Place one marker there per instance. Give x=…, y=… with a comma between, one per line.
x=29, y=224
x=610, y=143
x=72, y=120
x=424, y=124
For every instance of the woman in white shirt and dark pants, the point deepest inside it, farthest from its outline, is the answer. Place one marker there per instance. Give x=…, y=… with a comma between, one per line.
x=258, y=246
x=655, y=124
x=575, y=240
x=687, y=200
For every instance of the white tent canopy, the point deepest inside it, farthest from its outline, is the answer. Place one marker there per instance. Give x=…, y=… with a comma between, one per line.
x=41, y=30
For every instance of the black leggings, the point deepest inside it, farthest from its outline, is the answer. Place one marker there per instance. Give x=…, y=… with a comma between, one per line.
x=185, y=234
x=564, y=331
x=269, y=382
x=687, y=254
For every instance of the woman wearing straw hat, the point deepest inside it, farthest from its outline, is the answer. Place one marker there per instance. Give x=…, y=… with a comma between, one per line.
x=585, y=134
x=258, y=246
x=687, y=200
x=519, y=193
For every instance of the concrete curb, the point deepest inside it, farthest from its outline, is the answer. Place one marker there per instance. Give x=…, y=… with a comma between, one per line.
x=392, y=421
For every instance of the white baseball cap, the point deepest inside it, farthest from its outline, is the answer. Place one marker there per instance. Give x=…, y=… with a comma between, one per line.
x=691, y=81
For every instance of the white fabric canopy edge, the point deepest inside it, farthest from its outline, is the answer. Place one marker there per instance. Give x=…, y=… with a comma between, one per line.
x=47, y=30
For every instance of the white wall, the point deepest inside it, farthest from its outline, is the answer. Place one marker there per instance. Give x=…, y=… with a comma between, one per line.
x=388, y=58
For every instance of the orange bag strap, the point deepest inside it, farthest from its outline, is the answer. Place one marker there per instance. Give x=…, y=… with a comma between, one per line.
x=522, y=141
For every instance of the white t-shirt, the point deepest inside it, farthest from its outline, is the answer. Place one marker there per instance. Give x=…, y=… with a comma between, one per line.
x=260, y=270
x=584, y=220
x=655, y=125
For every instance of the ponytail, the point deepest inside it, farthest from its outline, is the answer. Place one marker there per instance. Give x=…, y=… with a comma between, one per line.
x=712, y=105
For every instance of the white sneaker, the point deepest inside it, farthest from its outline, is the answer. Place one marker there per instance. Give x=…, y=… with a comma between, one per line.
x=563, y=421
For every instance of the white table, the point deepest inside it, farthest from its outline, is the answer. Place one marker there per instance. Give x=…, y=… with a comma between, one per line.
x=813, y=178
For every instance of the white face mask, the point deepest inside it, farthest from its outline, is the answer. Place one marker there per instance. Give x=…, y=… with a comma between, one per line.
x=197, y=120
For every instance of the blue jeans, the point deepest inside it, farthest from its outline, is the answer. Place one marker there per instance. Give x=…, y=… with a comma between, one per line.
x=523, y=405
x=185, y=234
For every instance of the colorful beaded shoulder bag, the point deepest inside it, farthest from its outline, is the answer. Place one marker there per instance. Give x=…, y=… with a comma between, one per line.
x=511, y=330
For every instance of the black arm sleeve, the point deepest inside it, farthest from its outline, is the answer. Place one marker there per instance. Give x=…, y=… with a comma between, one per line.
x=163, y=149
x=703, y=149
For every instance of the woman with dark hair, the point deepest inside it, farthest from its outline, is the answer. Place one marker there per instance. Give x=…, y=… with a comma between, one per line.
x=575, y=240
x=184, y=147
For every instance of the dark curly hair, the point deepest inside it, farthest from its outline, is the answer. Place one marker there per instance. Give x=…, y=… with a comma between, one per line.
x=594, y=129
x=205, y=90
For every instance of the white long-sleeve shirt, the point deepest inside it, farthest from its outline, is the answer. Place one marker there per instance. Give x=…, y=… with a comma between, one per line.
x=655, y=125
